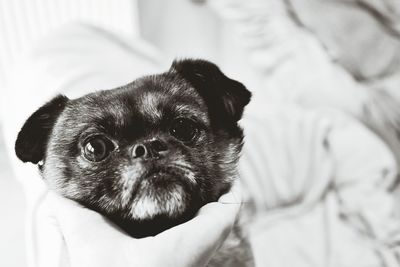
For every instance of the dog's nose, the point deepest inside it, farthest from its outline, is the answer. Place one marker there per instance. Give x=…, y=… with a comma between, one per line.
x=150, y=149
x=158, y=146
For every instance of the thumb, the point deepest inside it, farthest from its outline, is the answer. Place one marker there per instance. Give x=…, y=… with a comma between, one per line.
x=204, y=234
x=235, y=194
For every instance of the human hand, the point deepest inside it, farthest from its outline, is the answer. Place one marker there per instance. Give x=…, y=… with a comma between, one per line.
x=92, y=240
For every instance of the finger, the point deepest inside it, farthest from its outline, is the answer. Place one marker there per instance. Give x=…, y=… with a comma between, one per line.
x=201, y=236
x=234, y=196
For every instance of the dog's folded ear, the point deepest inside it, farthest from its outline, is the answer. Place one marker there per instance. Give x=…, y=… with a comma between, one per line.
x=225, y=98
x=31, y=142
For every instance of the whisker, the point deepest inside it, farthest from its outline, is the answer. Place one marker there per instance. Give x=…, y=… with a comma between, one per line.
x=186, y=169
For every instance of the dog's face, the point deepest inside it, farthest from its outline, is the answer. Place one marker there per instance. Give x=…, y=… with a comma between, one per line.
x=149, y=154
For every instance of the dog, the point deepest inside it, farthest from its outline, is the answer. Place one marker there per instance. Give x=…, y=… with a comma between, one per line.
x=147, y=155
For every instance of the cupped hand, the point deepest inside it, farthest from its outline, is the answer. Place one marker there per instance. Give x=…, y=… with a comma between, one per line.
x=92, y=240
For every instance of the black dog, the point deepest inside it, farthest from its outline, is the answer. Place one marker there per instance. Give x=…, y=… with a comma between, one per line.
x=147, y=155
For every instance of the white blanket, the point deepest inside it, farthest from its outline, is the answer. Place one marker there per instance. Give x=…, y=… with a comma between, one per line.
x=319, y=182
x=324, y=182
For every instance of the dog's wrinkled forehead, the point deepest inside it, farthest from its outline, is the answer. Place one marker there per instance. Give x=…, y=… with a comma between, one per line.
x=145, y=103
x=159, y=96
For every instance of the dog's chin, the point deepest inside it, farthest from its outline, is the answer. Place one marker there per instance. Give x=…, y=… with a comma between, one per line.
x=159, y=196
x=162, y=200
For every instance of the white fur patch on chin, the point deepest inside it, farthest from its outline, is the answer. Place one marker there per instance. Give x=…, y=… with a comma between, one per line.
x=128, y=177
x=146, y=206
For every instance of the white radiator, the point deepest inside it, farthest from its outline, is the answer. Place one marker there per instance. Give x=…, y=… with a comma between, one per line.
x=22, y=22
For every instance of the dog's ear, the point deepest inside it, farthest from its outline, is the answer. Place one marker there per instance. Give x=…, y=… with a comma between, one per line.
x=32, y=139
x=225, y=98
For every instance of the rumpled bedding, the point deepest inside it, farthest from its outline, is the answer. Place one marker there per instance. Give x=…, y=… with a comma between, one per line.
x=323, y=195
x=317, y=181
x=340, y=54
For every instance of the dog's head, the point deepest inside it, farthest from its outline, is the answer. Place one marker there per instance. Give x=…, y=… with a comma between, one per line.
x=149, y=154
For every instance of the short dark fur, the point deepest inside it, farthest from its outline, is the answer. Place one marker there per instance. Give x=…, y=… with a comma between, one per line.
x=141, y=112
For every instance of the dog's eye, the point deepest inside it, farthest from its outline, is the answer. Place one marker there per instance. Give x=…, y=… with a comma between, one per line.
x=184, y=130
x=97, y=148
